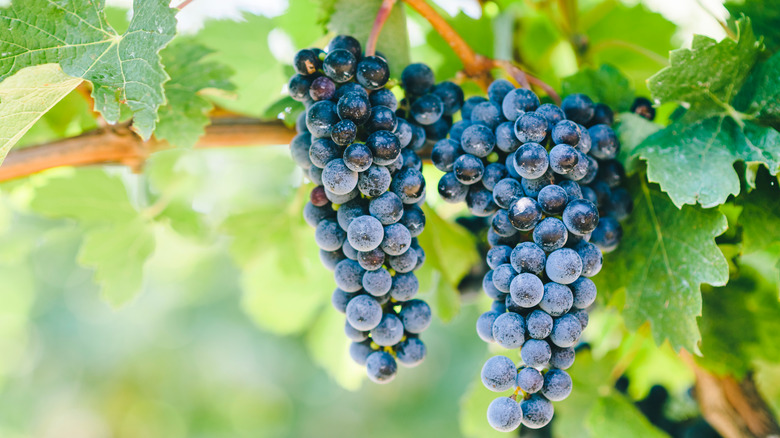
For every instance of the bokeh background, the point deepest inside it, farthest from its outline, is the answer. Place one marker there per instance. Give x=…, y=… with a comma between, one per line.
x=216, y=344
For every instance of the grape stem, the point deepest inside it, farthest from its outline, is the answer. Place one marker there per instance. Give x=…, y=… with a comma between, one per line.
x=476, y=66
x=183, y=4
x=381, y=16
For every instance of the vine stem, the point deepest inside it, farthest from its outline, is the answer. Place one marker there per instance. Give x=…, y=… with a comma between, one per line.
x=119, y=145
x=183, y=4
x=476, y=66
x=733, y=407
x=381, y=16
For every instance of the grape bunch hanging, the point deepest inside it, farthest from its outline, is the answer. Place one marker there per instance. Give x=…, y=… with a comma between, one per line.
x=360, y=149
x=548, y=178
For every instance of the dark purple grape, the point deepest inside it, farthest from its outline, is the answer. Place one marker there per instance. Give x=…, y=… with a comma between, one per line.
x=340, y=65
x=322, y=88
x=306, y=62
x=372, y=72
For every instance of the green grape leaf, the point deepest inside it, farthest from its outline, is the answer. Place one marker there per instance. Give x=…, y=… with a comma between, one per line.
x=298, y=22
x=709, y=74
x=26, y=96
x=764, y=14
x=285, y=109
x=473, y=406
x=184, y=117
x=176, y=177
x=595, y=404
x=69, y=117
x=350, y=17
x=285, y=286
x=761, y=93
x=760, y=218
x=284, y=282
x=760, y=229
x=656, y=365
x=615, y=415
x=693, y=159
x=750, y=303
x=258, y=78
x=88, y=195
x=118, y=253
x=329, y=348
x=124, y=70
x=118, y=239
x=633, y=37
x=325, y=10
x=632, y=130
x=450, y=252
x=536, y=37
x=660, y=268
x=590, y=378
x=606, y=85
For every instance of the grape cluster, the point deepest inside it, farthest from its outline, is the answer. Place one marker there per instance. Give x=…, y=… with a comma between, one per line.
x=359, y=146
x=548, y=178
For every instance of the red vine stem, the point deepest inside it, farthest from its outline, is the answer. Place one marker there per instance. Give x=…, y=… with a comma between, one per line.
x=475, y=65
x=183, y=4
x=381, y=16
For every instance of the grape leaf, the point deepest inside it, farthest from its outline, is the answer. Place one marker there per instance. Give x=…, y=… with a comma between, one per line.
x=450, y=252
x=761, y=93
x=632, y=37
x=606, y=85
x=26, y=96
x=693, y=159
x=88, y=195
x=124, y=69
x=117, y=238
x=118, y=252
x=242, y=45
x=329, y=348
x=175, y=176
x=760, y=228
x=285, y=109
x=292, y=22
x=590, y=376
x=69, y=117
x=593, y=394
x=632, y=130
x=660, y=268
x=749, y=304
x=350, y=17
x=285, y=286
x=760, y=217
x=185, y=115
x=765, y=14
x=284, y=282
x=615, y=415
x=655, y=365
x=473, y=405
x=709, y=74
